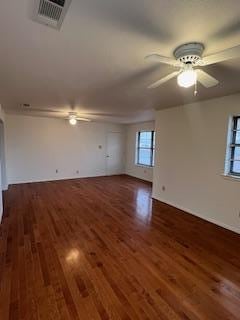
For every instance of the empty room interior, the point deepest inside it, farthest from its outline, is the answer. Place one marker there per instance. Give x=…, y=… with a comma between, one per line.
x=120, y=160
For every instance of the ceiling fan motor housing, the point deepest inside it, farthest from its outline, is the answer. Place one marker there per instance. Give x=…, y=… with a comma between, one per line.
x=189, y=53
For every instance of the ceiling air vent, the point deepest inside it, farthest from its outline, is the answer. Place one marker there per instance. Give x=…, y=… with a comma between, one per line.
x=51, y=12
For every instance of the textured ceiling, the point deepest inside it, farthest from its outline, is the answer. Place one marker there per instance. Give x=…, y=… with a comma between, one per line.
x=95, y=63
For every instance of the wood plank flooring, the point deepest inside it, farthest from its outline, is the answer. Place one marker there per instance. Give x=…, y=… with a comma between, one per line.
x=100, y=248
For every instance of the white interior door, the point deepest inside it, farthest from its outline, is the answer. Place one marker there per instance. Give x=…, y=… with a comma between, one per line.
x=115, y=153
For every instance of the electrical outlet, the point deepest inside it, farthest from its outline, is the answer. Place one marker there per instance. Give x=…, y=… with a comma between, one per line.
x=163, y=188
x=77, y=172
x=239, y=214
x=56, y=170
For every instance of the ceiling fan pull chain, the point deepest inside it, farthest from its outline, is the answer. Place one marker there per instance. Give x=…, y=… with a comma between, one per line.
x=195, y=89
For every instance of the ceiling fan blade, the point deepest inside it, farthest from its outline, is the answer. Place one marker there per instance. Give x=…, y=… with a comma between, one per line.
x=154, y=57
x=102, y=114
x=83, y=119
x=221, y=56
x=205, y=79
x=42, y=110
x=163, y=80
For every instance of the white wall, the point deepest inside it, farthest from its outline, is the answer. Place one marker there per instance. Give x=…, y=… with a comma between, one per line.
x=4, y=183
x=37, y=147
x=132, y=169
x=191, y=145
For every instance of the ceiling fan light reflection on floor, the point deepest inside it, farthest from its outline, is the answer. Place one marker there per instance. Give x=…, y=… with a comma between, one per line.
x=187, y=58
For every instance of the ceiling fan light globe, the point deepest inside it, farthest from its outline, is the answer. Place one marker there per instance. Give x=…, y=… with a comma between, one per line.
x=187, y=78
x=73, y=121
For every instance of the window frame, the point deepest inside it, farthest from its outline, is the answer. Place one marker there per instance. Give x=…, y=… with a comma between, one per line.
x=152, y=148
x=233, y=145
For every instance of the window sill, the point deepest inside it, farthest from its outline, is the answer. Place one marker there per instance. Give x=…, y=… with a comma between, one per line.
x=230, y=177
x=143, y=166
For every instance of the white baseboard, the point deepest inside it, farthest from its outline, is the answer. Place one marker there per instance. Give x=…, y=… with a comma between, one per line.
x=199, y=215
x=138, y=177
x=52, y=179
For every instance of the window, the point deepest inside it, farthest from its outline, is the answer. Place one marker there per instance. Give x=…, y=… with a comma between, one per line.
x=145, y=148
x=233, y=166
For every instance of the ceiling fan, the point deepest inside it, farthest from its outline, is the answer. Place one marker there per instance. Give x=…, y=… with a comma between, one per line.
x=71, y=116
x=187, y=58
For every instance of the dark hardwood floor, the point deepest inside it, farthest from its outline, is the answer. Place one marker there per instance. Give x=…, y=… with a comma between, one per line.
x=100, y=248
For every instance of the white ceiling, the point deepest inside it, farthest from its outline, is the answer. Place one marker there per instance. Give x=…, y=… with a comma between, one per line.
x=96, y=61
